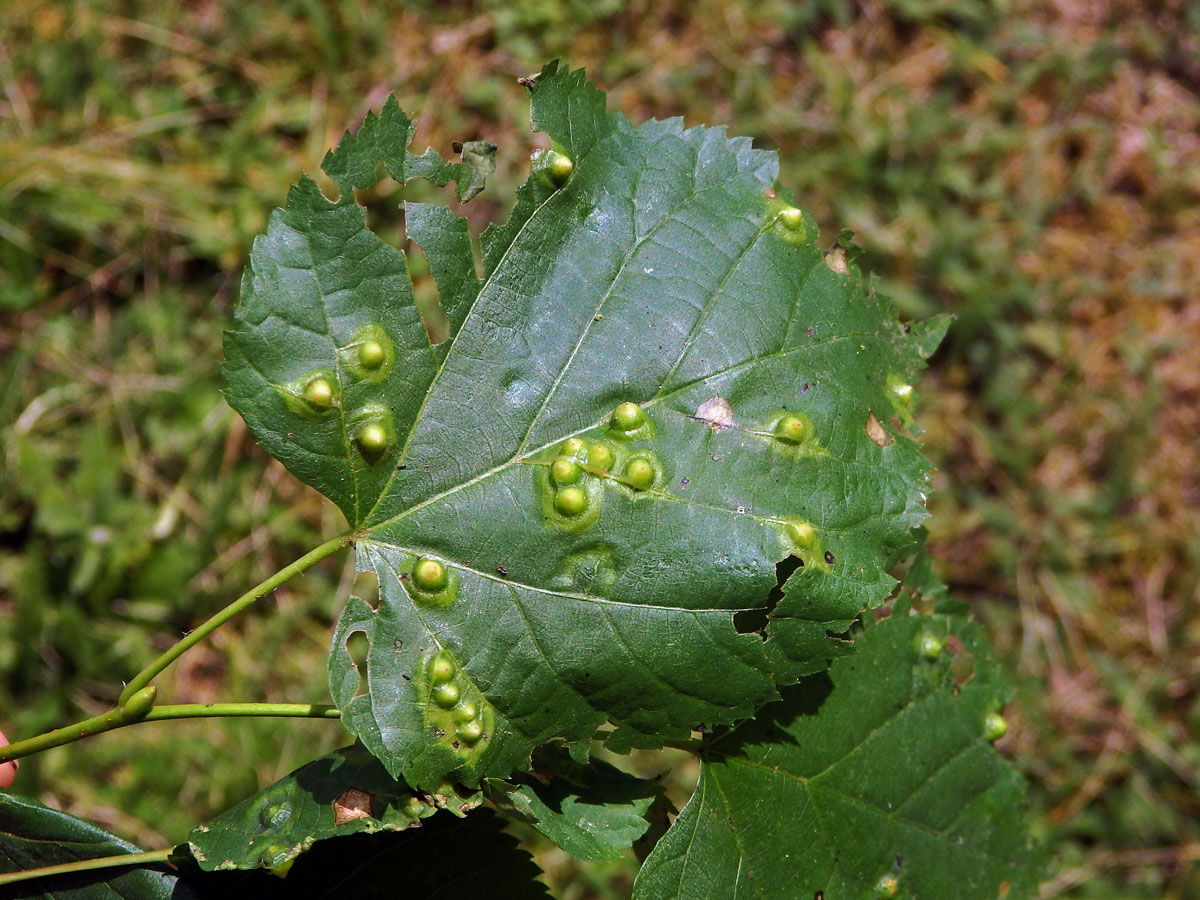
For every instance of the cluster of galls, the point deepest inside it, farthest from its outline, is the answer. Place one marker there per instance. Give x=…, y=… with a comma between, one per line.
x=452, y=695
x=368, y=357
x=578, y=460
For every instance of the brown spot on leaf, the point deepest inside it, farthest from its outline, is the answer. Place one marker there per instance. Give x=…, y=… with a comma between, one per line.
x=350, y=805
x=838, y=260
x=877, y=433
x=962, y=668
x=716, y=412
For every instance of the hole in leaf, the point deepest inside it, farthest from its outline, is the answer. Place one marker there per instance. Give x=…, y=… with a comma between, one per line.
x=754, y=621
x=425, y=293
x=358, y=646
x=366, y=588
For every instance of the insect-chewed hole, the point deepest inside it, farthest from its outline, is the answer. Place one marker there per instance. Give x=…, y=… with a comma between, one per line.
x=754, y=621
x=366, y=588
x=358, y=646
x=425, y=293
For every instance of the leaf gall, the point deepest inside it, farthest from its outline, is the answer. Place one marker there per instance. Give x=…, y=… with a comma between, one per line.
x=430, y=576
x=994, y=726
x=465, y=712
x=371, y=355
x=791, y=218
x=564, y=471
x=319, y=392
x=446, y=695
x=600, y=456
x=628, y=417
x=372, y=439
x=570, y=501
x=929, y=646
x=790, y=429
x=558, y=166
x=470, y=732
x=639, y=473
x=441, y=669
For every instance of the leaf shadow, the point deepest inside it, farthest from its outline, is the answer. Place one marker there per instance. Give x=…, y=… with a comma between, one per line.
x=772, y=723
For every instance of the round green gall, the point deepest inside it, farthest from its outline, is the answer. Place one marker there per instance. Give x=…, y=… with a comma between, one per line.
x=558, y=166
x=600, y=456
x=319, y=392
x=570, y=501
x=412, y=807
x=372, y=439
x=802, y=534
x=572, y=447
x=430, y=576
x=628, y=416
x=446, y=695
x=565, y=471
x=791, y=218
x=470, y=732
x=639, y=473
x=887, y=887
x=465, y=712
x=791, y=429
x=441, y=669
x=994, y=726
x=139, y=705
x=371, y=355
x=929, y=646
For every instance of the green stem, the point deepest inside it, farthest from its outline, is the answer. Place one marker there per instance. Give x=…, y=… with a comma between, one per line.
x=85, y=865
x=206, y=710
x=194, y=637
x=114, y=719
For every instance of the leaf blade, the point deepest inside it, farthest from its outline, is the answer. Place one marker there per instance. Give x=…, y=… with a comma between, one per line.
x=594, y=812
x=662, y=271
x=892, y=762
x=342, y=793
x=33, y=836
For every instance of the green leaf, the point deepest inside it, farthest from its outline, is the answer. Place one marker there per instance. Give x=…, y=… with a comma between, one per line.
x=595, y=812
x=886, y=776
x=345, y=792
x=659, y=270
x=33, y=836
x=924, y=586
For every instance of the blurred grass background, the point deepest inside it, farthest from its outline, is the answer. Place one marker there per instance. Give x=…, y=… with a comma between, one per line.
x=1033, y=168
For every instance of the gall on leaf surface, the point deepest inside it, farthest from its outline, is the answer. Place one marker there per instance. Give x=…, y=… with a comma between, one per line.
x=883, y=769
x=342, y=793
x=656, y=272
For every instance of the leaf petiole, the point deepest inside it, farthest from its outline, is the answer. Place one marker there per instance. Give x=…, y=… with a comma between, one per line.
x=114, y=719
x=193, y=637
x=86, y=865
